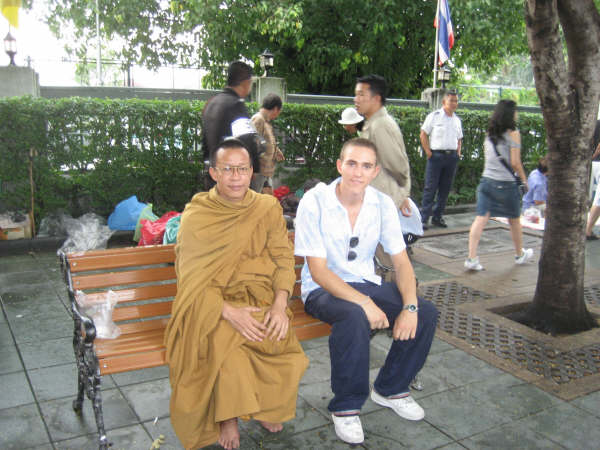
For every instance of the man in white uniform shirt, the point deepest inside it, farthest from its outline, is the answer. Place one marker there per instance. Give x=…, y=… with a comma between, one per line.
x=441, y=138
x=338, y=227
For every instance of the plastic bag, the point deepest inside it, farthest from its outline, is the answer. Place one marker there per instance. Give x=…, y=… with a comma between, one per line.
x=145, y=214
x=281, y=192
x=152, y=232
x=52, y=226
x=100, y=311
x=126, y=213
x=88, y=232
x=171, y=230
x=532, y=214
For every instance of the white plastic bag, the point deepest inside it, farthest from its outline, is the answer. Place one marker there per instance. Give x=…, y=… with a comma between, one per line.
x=88, y=232
x=100, y=311
x=532, y=214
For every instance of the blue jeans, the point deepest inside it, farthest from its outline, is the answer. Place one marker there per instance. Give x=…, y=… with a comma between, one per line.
x=439, y=174
x=349, y=344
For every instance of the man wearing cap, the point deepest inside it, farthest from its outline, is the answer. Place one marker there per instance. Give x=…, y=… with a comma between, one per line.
x=226, y=115
x=338, y=227
x=441, y=138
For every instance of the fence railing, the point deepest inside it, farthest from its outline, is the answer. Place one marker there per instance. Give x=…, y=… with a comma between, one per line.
x=205, y=94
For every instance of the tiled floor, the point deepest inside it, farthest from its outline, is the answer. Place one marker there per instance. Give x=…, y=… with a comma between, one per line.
x=468, y=402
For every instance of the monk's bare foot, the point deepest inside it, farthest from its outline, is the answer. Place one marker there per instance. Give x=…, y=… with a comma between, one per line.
x=272, y=427
x=230, y=434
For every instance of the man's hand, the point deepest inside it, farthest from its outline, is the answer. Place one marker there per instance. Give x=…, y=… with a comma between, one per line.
x=276, y=322
x=241, y=319
x=376, y=317
x=405, y=326
x=405, y=208
x=279, y=156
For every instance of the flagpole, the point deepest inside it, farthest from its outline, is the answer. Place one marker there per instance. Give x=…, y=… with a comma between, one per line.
x=437, y=30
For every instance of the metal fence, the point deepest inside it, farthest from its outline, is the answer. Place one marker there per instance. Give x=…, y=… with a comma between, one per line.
x=205, y=94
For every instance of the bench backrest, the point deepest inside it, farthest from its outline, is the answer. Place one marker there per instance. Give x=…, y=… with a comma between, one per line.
x=143, y=278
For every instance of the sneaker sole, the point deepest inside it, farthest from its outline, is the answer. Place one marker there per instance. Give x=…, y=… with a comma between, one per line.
x=383, y=402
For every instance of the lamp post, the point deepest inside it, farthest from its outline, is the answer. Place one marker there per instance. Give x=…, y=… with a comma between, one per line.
x=444, y=76
x=10, y=47
x=266, y=62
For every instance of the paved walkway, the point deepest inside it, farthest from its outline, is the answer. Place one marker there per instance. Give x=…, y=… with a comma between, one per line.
x=469, y=402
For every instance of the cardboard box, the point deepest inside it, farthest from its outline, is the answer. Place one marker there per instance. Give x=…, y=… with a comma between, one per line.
x=9, y=229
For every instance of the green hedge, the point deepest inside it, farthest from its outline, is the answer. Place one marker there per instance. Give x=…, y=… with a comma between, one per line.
x=89, y=154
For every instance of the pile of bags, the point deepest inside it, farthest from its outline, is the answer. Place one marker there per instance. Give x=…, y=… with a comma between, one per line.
x=131, y=214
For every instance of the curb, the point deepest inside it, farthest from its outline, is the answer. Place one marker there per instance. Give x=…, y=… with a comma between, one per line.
x=44, y=244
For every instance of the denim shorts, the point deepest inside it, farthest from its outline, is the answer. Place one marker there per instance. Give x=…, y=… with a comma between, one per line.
x=499, y=198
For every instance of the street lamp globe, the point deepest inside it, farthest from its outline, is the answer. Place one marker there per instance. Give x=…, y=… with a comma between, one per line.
x=266, y=62
x=10, y=47
x=444, y=75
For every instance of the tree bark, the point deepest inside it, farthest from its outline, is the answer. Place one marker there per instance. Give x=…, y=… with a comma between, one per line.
x=568, y=86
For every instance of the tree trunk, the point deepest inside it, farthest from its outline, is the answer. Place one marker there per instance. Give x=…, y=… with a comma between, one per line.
x=569, y=91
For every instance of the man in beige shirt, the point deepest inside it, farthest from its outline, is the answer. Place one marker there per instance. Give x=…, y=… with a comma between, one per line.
x=270, y=109
x=381, y=129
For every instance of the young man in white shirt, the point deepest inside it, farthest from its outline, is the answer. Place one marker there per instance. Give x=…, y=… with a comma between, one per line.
x=338, y=227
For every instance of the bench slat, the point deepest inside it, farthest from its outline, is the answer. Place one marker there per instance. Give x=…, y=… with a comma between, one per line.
x=125, y=259
x=133, y=362
x=146, y=325
x=139, y=293
x=142, y=311
x=313, y=331
x=130, y=343
x=102, y=280
x=123, y=251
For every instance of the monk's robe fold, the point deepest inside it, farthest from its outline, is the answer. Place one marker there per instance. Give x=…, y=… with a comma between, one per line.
x=239, y=253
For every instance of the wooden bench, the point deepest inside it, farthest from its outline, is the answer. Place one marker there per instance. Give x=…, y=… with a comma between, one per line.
x=144, y=280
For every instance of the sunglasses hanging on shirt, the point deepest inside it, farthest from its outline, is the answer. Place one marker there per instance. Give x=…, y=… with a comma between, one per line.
x=353, y=243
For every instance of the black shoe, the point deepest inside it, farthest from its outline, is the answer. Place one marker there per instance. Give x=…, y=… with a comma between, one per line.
x=592, y=237
x=439, y=222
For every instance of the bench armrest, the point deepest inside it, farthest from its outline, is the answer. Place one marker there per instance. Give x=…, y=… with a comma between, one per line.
x=87, y=322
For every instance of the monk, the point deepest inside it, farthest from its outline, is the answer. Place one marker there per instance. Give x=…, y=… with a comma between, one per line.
x=230, y=348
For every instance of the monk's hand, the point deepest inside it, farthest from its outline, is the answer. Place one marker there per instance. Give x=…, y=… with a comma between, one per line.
x=405, y=326
x=241, y=319
x=376, y=317
x=277, y=322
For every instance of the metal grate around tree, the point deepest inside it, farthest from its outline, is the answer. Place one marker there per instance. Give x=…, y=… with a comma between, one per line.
x=527, y=353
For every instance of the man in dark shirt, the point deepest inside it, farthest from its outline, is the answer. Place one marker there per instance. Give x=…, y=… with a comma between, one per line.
x=226, y=115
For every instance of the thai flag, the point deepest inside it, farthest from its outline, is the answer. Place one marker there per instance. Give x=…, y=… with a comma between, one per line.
x=445, y=32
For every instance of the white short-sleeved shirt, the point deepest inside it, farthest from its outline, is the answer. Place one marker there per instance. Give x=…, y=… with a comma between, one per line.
x=444, y=131
x=323, y=230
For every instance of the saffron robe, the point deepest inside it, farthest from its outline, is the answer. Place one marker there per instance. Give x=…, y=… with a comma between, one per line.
x=239, y=253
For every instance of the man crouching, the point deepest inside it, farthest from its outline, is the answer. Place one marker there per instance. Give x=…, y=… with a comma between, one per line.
x=230, y=348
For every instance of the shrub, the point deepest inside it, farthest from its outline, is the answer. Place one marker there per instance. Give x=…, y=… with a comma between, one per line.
x=86, y=155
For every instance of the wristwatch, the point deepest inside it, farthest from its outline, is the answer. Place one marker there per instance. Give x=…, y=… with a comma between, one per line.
x=411, y=308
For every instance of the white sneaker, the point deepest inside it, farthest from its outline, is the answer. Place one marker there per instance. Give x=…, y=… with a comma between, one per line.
x=405, y=407
x=473, y=264
x=348, y=429
x=527, y=254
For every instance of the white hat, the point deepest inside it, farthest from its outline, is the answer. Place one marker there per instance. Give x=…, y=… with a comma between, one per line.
x=350, y=117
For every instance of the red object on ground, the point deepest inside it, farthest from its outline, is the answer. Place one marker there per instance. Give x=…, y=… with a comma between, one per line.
x=152, y=232
x=281, y=192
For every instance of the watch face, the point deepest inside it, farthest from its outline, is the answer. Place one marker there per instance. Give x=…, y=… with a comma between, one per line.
x=411, y=308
